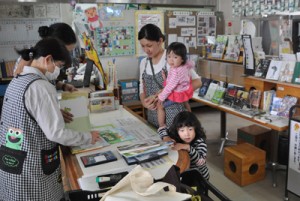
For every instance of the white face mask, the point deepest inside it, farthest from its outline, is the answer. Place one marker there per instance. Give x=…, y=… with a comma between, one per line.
x=54, y=75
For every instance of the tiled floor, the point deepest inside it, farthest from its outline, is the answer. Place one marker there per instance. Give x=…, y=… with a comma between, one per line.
x=259, y=191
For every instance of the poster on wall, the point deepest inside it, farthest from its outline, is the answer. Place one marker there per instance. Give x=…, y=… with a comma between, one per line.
x=294, y=159
x=206, y=26
x=87, y=14
x=114, y=41
x=144, y=17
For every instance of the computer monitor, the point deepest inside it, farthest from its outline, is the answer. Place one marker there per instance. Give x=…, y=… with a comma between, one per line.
x=88, y=73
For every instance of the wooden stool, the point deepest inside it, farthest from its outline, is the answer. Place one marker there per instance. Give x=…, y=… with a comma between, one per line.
x=257, y=135
x=244, y=163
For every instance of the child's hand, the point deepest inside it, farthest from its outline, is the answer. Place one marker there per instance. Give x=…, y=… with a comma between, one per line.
x=180, y=146
x=201, y=161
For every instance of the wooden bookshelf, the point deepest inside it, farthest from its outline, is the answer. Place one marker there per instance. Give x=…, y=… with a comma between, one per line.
x=282, y=88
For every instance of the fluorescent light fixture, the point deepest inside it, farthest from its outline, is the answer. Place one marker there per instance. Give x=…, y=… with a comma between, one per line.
x=26, y=0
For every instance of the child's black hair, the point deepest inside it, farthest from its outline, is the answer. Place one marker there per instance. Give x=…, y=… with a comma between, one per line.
x=45, y=47
x=178, y=49
x=188, y=119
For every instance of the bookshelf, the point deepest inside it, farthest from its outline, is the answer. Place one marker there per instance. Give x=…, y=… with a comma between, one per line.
x=282, y=88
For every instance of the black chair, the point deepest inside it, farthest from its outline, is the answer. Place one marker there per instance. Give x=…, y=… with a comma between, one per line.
x=193, y=178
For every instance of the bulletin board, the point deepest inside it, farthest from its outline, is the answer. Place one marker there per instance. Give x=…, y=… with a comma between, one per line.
x=143, y=17
x=190, y=28
x=19, y=26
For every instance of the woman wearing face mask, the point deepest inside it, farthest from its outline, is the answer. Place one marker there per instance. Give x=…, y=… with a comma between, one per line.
x=32, y=127
x=66, y=35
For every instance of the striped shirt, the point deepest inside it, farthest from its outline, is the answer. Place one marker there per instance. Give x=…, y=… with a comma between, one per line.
x=198, y=151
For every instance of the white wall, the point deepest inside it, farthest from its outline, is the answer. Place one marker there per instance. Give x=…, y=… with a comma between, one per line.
x=226, y=7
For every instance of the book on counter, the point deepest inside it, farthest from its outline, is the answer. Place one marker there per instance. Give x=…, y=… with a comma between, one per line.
x=230, y=94
x=205, y=84
x=98, y=158
x=211, y=90
x=241, y=100
x=286, y=104
x=218, y=95
x=89, y=147
x=254, y=98
x=142, y=158
x=140, y=145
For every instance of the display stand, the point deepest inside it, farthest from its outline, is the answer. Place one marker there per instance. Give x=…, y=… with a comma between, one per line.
x=293, y=168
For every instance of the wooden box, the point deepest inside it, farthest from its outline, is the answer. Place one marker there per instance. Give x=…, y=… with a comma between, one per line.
x=257, y=135
x=244, y=163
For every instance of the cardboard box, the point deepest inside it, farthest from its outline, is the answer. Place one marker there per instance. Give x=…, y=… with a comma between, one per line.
x=129, y=83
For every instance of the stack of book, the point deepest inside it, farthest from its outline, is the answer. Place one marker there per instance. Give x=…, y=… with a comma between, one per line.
x=143, y=151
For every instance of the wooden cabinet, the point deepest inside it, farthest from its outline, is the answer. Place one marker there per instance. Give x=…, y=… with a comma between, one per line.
x=136, y=107
x=282, y=88
x=231, y=72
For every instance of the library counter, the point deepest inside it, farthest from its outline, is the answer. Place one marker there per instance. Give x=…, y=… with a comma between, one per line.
x=72, y=170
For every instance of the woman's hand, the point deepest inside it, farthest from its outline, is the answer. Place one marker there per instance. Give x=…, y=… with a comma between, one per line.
x=150, y=102
x=95, y=136
x=69, y=87
x=68, y=117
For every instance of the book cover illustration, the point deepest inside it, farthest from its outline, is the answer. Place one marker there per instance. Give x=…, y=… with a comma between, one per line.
x=218, y=95
x=102, y=104
x=274, y=70
x=114, y=135
x=230, y=94
x=240, y=100
x=98, y=158
x=219, y=48
x=286, y=71
x=254, y=98
x=204, y=87
x=267, y=100
x=262, y=68
x=211, y=91
x=285, y=106
x=84, y=148
x=276, y=104
x=296, y=75
x=233, y=48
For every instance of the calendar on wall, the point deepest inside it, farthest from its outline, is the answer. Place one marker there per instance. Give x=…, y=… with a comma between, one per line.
x=19, y=26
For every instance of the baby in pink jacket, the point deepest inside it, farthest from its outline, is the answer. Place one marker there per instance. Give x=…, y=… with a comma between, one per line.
x=178, y=87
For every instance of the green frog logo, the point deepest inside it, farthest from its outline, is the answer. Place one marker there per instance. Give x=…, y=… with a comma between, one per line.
x=14, y=138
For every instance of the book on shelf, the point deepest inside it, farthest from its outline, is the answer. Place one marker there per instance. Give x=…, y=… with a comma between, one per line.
x=286, y=71
x=218, y=95
x=296, y=74
x=262, y=68
x=102, y=104
x=241, y=100
x=211, y=90
x=230, y=94
x=254, y=98
x=267, y=101
x=274, y=70
x=275, y=107
x=204, y=87
x=233, y=48
x=98, y=158
x=219, y=47
x=286, y=104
